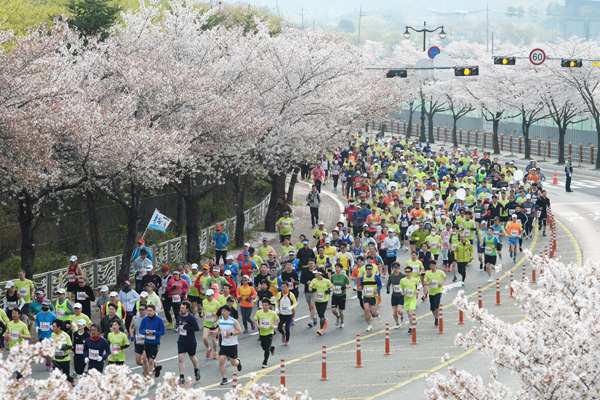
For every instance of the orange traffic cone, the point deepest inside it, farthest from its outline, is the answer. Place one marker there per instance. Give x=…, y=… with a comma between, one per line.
x=555, y=180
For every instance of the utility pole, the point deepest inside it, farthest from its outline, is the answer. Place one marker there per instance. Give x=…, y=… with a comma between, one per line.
x=487, y=27
x=360, y=15
x=302, y=15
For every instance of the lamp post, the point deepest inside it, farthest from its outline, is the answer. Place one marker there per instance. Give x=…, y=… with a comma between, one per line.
x=422, y=137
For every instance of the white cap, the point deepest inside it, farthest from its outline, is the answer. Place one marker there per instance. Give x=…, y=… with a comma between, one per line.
x=148, y=268
x=321, y=223
x=104, y=288
x=227, y=272
x=73, y=258
x=144, y=294
x=113, y=294
x=10, y=284
x=247, y=244
x=80, y=321
x=230, y=257
x=194, y=266
x=210, y=292
x=77, y=305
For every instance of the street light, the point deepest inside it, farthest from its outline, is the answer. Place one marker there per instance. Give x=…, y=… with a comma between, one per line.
x=425, y=31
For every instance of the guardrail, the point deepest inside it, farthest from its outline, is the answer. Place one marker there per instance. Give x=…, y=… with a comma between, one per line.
x=540, y=149
x=104, y=271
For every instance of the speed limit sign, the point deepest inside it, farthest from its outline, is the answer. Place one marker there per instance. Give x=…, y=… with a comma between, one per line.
x=537, y=56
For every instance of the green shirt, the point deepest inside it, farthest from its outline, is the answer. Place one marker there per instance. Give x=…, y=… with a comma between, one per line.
x=266, y=321
x=59, y=354
x=286, y=228
x=409, y=288
x=25, y=288
x=435, y=242
x=339, y=284
x=115, y=342
x=263, y=252
x=435, y=280
x=75, y=318
x=417, y=266
x=319, y=287
x=14, y=330
x=210, y=312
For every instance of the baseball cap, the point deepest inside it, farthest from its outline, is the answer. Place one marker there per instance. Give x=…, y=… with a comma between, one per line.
x=230, y=298
x=327, y=240
x=265, y=239
x=271, y=252
x=63, y=291
x=46, y=302
x=246, y=277
x=176, y=272
x=73, y=258
x=148, y=268
x=321, y=223
x=528, y=196
x=319, y=271
x=216, y=269
x=127, y=283
x=80, y=321
x=205, y=267
x=345, y=228
x=246, y=253
x=165, y=268
x=144, y=294
x=77, y=305
x=227, y=272
x=292, y=253
x=194, y=266
x=305, y=242
x=229, y=257
x=286, y=212
x=246, y=244
x=141, y=241
x=112, y=294
x=12, y=284
x=210, y=292
x=104, y=288
x=219, y=227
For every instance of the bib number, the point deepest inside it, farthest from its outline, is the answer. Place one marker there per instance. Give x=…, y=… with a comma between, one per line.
x=45, y=326
x=285, y=309
x=409, y=292
x=182, y=332
x=78, y=349
x=94, y=353
x=320, y=296
x=337, y=289
x=81, y=296
x=434, y=284
x=369, y=291
x=150, y=337
x=528, y=211
x=115, y=349
x=60, y=313
x=488, y=249
x=139, y=339
x=514, y=232
x=23, y=291
x=404, y=224
x=71, y=278
x=477, y=215
x=14, y=335
x=265, y=323
x=59, y=353
x=397, y=289
x=176, y=298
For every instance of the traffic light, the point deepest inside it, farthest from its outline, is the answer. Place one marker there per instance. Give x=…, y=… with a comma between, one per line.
x=466, y=71
x=505, y=60
x=400, y=73
x=566, y=63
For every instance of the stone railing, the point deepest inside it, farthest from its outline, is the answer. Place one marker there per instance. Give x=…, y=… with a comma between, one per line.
x=104, y=271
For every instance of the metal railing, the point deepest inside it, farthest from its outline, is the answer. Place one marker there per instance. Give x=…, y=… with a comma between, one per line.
x=104, y=271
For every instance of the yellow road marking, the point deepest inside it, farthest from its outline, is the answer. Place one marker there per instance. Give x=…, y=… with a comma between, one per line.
x=573, y=240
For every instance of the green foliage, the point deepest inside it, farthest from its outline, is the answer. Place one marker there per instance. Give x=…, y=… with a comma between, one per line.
x=230, y=15
x=346, y=26
x=44, y=262
x=92, y=17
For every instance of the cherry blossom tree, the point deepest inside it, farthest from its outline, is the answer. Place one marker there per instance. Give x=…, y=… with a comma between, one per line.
x=551, y=353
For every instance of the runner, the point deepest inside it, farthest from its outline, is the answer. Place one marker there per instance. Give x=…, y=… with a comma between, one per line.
x=79, y=337
x=95, y=349
x=176, y=292
x=17, y=330
x=118, y=341
x=73, y=271
x=463, y=253
x=246, y=297
x=397, y=298
x=285, y=225
x=186, y=343
x=409, y=286
x=321, y=288
x=43, y=326
x=286, y=303
x=340, y=282
x=229, y=329
x=435, y=280
x=267, y=320
x=370, y=283
x=210, y=307
x=308, y=275
x=514, y=231
x=63, y=307
x=62, y=357
x=153, y=327
x=490, y=244
x=138, y=338
x=26, y=288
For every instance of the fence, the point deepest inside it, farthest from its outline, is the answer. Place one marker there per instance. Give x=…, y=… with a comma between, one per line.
x=540, y=149
x=104, y=271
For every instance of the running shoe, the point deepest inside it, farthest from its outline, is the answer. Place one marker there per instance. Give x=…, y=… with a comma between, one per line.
x=208, y=353
x=409, y=330
x=264, y=365
x=182, y=381
x=514, y=260
x=454, y=279
x=197, y=375
x=397, y=326
x=239, y=366
x=319, y=332
x=436, y=322
x=342, y=325
x=379, y=318
x=215, y=356
x=490, y=280
x=337, y=321
x=170, y=325
x=462, y=284
x=286, y=343
x=369, y=328
x=157, y=371
x=224, y=382
x=245, y=330
x=310, y=324
x=283, y=337
x=401, y=320
x=253, y=326
x=272, y=349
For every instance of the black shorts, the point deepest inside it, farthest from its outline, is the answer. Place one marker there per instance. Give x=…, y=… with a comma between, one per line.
x=229, y=351
x=490, y=259
x=72, y=287
x=138, y=348
x=499, y=247
x=151, y=350
x=397, y=301
x=411, y=242
x=189, y=348
x=370, y=300
x=194, y=299
x=504, y=219
x=434, y=301
x=25, y=309
x=338, y=302
x=282, y=237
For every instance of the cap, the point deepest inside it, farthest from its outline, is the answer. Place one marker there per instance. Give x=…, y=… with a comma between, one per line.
x=176, y=272
x=305, y=242
x=165, y=268
x=39, y=291
x=345, y=228
x=246, y=244
x=230, y=257
x=528, y=196
x=46, y=302
x=286, y=212
x=219, y=227
x=321, y=223
x=144, y=294
x=483, y=223
x=127, y=283
x=104, y=288
x=141, y=241
x=271, y=252
x=319, y=271
x=77, y=305
x=265, y=239
x=230, y=298
x=327, y=240
x=195, y=266
x=112, y=294
x=80, y=321
x=216, y=269
x=63, y=291
x=504, y=189
x=205, y=267
x=227, y=272
x=210, y=292
x=12, y=284
x=148, y=268
x=325, y=233
x=292, y=253
x=246, y=277
x=73, y=258
x=443, y=217
x=246, y=253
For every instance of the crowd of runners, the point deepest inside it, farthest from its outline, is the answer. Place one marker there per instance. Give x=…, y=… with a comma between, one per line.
x=415, y=218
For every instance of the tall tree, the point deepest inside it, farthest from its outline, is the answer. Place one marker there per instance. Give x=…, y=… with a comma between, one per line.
x=93, y=17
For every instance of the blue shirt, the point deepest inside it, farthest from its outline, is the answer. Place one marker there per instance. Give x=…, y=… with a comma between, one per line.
x=233, y=268
x=155, y=325
x=48, y=318
x=221, y=241
x=190, y=326
x=136, y=253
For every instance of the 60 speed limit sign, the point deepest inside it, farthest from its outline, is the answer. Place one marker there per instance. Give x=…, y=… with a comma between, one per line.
x=537, y=56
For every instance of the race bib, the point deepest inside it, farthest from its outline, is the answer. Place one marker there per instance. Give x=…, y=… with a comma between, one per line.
x=320, y=296
x=78, y=349
x=81, y=296
x=141, y=273
x=528, y=211
x=488, y=249
x=23, y=291
x=397, y=289
x=45, y=326
x=115, y=349
x=514, y=232
x=369, y=291
x=139, y=339
x=13, y=335
x=409, y=292
x=182, y=332
x=176, y=298
x=265, y=323
x=467, y=232
x=404, y=224
x=59, y=353
x=454, y=246
x=209, y=317
x=434, y=284
x=71, y=278
x=477, y=215
x=11, y=305
x=60, y=313
x=337, y=289
x=511, y=212
x=285, y=309
x=286, y=224
x=94, y=353
x=150, y=337
x=434, y=245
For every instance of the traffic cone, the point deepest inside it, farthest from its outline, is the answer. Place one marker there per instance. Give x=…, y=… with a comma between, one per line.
x=555, y=180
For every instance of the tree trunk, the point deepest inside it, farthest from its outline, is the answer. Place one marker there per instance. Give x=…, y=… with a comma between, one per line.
x=562, y=131
x=192, y=228
x=133, y=217
x=410, y=117
x=292, y=185
x=430, y=128
x=179, y=216
x=495, y=123
x=93, y=225
x=26, y=222
x=525, y=127
x=240, y=198
x=277, y=190
x=422, y=137
x=454, y=136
